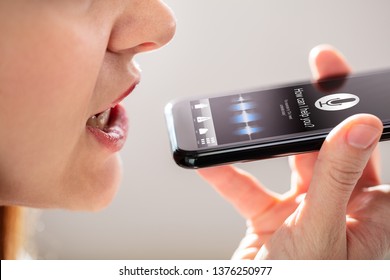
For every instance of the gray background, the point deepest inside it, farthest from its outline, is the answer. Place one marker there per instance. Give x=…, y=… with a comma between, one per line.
x=165, y=212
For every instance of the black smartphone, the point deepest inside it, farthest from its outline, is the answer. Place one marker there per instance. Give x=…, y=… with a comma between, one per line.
x=272, y=122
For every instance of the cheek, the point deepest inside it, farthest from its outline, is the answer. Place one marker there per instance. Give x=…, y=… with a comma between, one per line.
x=46, y=84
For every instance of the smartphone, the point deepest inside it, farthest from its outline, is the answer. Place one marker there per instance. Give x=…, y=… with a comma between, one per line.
x=273, y=122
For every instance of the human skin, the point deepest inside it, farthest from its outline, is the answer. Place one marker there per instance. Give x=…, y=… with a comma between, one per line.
x=62, y=62
x=336, y=207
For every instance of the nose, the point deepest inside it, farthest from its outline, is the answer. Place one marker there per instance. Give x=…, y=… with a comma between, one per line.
x=144, y=25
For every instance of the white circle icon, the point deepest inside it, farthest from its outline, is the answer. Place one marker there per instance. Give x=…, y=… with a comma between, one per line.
x=337, y=102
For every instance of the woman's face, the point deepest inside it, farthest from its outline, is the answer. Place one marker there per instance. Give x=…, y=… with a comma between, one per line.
x=64, y=67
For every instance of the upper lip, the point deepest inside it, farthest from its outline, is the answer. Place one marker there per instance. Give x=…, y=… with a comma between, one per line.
x=122, y=96
x=125, y=93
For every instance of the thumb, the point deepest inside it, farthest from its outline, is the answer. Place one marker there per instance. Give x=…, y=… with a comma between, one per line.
x=341, y=162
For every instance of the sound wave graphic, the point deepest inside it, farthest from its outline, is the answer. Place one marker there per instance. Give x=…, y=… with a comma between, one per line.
x=245, y=117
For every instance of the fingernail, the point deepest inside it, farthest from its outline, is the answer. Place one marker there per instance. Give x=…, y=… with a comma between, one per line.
x=362, y=136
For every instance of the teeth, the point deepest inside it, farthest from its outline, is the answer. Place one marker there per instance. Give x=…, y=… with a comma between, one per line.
x=99, y=121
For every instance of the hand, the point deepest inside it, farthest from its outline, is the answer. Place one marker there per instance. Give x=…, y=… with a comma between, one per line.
x=335, y=209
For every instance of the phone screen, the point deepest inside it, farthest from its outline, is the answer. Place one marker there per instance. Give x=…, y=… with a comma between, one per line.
x=293, y=110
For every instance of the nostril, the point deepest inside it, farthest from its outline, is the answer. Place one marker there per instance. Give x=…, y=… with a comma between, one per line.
x=147, y=46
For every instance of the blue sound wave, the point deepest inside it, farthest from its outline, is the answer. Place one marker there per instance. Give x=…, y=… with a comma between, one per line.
x=248, y=130
x=243, y=106
x=245, y=117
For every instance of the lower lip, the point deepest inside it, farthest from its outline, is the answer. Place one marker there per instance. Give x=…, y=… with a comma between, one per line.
x=113, y=137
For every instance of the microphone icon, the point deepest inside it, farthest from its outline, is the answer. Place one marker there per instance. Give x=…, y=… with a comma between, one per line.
x=337, y=102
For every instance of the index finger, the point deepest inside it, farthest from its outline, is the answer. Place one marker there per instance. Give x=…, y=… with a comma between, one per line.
x=241, y=189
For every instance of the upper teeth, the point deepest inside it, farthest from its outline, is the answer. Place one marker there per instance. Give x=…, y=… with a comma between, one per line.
x=100, y=120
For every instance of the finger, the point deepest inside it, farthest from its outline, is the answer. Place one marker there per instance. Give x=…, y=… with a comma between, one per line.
x=301, y=171
x=371, y=210
x=241, y=189
x=371, y=174
x=248, y=248
x=262, y=227
x=325, y=61
x=266, y=224
x=341, y=161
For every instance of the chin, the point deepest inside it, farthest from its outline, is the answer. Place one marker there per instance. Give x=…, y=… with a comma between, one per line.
x=101, y=188
x=88, y=187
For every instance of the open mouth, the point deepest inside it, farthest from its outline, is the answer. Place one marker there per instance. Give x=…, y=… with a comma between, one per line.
x=110, y=127
x=100, y=120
